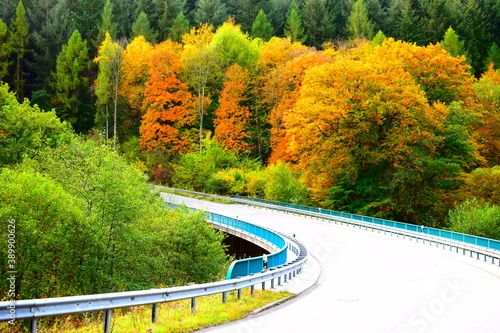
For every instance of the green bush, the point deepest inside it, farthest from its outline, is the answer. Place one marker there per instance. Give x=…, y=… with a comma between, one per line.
x=476, y=218
x=88, y=224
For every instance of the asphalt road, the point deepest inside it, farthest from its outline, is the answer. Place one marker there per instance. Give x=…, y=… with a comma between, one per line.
x=372, y=283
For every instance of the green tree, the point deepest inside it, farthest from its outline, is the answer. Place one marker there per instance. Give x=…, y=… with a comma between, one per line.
x=179, y=28
x=293, y=26
x=25, y=129
x=47, y=43
x=138, y=238
x=261, y=27
x=19, y=42
x=283, y=186
x=404, y=23
x=378, y=39
x=233, y=46
x=438, y=15
x=452, y=43
x=317, y=21
x=278, y=11
x=168, y=10
x=493, y=57
x=475, y=31
x=52, y=239
x=359, y=25
x=476, y=218
x=69, y=81
x=142, y=27
x=108, y=24
x=212, y=12
x=5, y=51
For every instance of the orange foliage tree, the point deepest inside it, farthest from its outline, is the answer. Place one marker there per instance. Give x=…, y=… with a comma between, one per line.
x=293, y=73
x=232, y=118
x=369, y=140
x=169, y=114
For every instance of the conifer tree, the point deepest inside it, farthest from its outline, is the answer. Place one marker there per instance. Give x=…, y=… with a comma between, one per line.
x=317, y=22
x=293, y=27
x=261, y=27
x=213, y=12
x=452, y=43
x=379, y=38
x=5, y=51
x=19, y=40
x=493, y=57
x=142, y=27
x=69, y=81
x=359, y=25
x=107, y=24
x=179, y=28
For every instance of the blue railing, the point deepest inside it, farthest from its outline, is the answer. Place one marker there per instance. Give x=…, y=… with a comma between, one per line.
x=475, y=240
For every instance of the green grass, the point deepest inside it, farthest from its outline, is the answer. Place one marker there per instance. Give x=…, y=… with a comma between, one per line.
x=172, y=316
x=197, y=196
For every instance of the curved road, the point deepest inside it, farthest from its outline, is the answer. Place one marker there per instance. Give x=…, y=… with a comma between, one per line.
x=372, y=283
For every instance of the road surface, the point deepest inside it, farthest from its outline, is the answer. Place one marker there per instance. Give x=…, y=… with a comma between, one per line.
x=370, y=282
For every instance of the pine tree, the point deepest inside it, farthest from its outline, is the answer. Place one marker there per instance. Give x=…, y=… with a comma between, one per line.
x=48, y=41
x=452, y=43
x=476, y=35
x=5, y=51
x=168, y=12
x=107, y=24
x=69, y=81
x=19, y=41
x=179, y=28
x=142, y=27
x=493, y=57
x=403, y=22
x=359, y=25
x=213, y=12
x=378, y=39
x=293, y=27
x=261, y=27
x=278, y=13
x=317, y=22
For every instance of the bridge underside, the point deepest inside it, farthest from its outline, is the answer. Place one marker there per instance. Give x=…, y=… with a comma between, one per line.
x=241, y=245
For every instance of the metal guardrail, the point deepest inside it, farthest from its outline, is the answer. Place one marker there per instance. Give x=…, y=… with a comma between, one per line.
x=39, y=308
x=460, y=237
x=481, y=247
x=419, y=233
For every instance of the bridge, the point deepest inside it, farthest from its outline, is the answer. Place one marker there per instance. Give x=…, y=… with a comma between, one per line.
x=358, y=278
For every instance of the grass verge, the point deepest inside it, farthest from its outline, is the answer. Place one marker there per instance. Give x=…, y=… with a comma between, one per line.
x=172, y=316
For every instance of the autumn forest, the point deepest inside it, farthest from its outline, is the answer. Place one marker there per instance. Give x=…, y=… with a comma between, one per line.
x=387, y=108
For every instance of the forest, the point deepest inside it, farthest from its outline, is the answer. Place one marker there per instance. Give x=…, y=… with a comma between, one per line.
x=383, y=108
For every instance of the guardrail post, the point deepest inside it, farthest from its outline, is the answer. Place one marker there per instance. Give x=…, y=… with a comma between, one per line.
x=272, y=283
x=252, y=288
x=224, y=297
x=239, y=293
x=107, y=320
x=263, y=285
x=193, y=305
x=33, y=325
x=154, y=313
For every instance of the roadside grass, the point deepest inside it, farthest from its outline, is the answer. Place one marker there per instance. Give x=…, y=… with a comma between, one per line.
x=172, y=316
x=197, y=196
